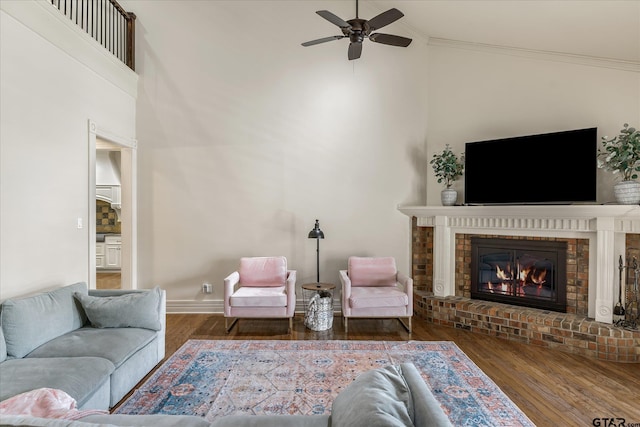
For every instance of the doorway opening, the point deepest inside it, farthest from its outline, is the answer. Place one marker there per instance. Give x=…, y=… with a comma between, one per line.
x=112, y=211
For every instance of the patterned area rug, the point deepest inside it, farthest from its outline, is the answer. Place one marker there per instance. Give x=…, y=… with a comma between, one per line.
x=217, y=378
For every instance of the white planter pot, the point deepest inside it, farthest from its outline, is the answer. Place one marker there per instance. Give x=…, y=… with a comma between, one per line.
x=448, y=196
x=627, y=192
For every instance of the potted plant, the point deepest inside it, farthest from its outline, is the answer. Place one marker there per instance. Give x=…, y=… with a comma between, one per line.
x=447, y=168
x=621, y=155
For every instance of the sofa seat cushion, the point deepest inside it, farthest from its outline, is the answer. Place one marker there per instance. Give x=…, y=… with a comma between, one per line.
x=368, y=297
x=109, y=421
x=147, y=420
x=113, y=344
x=28, y=421
x=293, y=420
x=79, y=377
x=31, y=321
x=251, y=296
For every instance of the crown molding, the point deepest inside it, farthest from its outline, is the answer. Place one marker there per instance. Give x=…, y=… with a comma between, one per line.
x=544, y=55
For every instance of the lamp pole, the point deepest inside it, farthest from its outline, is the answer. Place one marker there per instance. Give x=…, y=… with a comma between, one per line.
x=317, y=260
x=317, y=234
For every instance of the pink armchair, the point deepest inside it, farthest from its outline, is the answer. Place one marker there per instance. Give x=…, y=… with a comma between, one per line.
x=261, y=288
x=372, y=287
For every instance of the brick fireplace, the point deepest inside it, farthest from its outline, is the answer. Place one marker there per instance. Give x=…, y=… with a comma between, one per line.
x=594, y=237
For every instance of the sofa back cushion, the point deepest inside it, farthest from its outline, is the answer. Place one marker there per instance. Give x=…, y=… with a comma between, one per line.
x=263, y=271
x=372, y=271
x=131, y=310
x=32, y=321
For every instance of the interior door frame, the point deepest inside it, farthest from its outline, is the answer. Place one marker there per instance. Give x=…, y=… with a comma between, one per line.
x=128, y=158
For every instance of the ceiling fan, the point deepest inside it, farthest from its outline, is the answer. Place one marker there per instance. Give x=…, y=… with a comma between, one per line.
x=359, y=29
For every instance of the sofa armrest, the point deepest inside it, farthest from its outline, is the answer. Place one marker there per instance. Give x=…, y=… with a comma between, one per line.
x=427, y=410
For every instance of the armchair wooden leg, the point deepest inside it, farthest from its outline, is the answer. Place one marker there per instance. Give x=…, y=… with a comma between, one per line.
x=291, y=325
x=346, y=325
x=228, y=327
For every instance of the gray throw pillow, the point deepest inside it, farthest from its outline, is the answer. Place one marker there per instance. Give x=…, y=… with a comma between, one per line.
x=132, y=310
x=380, y=397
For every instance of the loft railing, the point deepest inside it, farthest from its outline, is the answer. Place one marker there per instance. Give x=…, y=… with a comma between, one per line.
x=107, y=22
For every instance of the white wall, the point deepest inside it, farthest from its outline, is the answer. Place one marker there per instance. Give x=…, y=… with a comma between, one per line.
x=477, y=94
x=47, y=99
x=246, y=137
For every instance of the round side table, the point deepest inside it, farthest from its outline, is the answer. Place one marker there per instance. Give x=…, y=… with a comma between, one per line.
x=318, y=305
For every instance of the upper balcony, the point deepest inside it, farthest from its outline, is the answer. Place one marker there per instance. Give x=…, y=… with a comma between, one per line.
x=106, y=22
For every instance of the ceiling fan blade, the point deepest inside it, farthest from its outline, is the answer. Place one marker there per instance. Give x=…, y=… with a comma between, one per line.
x=355, y=50
x=384, y=19
x=322, y=40
x=336, y=20
x=390, y=39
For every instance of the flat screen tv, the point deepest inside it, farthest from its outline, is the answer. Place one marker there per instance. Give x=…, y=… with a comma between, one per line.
x=550, y=168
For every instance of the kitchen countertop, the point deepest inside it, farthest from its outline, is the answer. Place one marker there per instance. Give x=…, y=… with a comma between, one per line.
x=100, y=237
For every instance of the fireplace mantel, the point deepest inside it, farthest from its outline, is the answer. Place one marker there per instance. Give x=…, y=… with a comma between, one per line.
x=604, y=225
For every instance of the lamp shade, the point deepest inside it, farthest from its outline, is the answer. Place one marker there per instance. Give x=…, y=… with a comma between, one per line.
x=316, y=233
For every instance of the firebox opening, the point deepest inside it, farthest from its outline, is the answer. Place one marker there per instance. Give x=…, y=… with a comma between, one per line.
x=529, y=273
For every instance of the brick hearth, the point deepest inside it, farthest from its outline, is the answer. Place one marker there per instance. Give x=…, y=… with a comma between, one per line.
x=563, y=331
x=572, y=331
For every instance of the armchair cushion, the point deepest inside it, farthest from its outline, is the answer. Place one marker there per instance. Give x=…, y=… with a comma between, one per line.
x=253, y=296
x=368, y=296
x=364, y=271
x=263, y=271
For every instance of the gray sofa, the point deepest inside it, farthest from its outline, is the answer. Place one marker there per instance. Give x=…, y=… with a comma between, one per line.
x=94, y=345
x=389, y=396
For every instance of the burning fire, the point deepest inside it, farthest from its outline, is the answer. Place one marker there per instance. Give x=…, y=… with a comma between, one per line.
x=525, y=276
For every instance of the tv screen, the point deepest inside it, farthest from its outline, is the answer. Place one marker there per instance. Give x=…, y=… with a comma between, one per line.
x=557, y=167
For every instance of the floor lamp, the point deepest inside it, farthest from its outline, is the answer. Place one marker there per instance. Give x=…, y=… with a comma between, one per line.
x=317, y=234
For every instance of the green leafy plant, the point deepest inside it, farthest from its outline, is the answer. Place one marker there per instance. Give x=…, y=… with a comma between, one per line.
x=447, y=167
x=621, y=154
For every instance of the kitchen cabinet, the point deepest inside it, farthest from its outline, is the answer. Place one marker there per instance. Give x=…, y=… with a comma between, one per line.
x=108, y=253
x=113, y=256
x=100, y=251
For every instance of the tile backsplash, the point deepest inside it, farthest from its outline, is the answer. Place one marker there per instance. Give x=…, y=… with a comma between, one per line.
x=106, y=218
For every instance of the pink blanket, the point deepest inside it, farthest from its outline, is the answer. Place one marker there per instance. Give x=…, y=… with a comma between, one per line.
x=45, y=403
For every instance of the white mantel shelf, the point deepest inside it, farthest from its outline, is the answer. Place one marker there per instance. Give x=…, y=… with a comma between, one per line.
x=604, y=225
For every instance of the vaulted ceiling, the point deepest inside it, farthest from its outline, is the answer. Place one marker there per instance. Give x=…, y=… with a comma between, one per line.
x=598, y=28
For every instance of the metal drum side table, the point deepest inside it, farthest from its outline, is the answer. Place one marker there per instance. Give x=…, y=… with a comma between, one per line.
x=318, y=305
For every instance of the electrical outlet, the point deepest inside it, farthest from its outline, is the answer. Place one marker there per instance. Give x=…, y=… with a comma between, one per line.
x=207, y=288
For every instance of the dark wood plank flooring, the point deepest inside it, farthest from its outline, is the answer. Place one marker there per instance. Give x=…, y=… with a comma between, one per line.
x=553, y=388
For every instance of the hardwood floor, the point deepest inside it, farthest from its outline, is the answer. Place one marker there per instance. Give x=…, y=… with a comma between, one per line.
x=552, y=387
x=108, y=280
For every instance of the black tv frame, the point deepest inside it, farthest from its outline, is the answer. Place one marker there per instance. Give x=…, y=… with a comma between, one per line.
x=549, y=168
